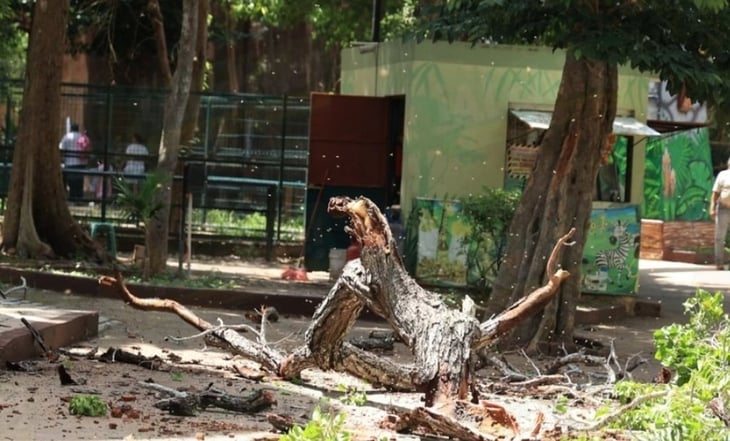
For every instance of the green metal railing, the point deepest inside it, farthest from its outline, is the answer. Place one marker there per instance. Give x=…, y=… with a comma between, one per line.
x=247, y=146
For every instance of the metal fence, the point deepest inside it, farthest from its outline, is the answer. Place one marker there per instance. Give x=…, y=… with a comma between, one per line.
x=248, y=155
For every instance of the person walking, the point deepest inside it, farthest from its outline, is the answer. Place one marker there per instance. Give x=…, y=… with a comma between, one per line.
x=720, y=212
x=135, y=164
x=74, y=147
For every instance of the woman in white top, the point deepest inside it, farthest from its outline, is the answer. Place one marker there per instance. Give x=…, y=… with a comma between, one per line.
x=135, y=163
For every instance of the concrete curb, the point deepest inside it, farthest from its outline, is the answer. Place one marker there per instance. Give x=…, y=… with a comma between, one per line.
x=244, y=299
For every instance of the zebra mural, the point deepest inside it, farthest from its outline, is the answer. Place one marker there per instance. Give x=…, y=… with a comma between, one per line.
x=616, y=257
x=610, y=261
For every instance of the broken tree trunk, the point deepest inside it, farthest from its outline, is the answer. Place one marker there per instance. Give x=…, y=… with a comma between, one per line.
x=442, y=339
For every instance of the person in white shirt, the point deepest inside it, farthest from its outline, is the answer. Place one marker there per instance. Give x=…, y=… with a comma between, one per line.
x=75, y=157
x=720, y=211
x=135, y=164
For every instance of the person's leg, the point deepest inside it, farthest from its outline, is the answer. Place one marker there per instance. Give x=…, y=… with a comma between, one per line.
x=722, y=221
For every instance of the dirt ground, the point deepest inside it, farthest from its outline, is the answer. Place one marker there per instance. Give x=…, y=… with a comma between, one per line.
x=33, y=406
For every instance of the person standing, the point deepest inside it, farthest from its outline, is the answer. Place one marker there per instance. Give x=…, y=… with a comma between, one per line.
x=720, y=212
x=135, y=164
x=74, y=147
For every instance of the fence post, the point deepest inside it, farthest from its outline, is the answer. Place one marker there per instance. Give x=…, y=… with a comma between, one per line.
x=270, y=213
x=109, y=116
x=282, y=158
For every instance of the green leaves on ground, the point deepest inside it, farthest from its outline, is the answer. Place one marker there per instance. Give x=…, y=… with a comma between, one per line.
x=87, y=405
x=322, y=427
x=699, y=354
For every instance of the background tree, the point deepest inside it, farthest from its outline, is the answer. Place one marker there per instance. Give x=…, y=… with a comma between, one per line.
x=681, y=41
x=179, y=82
x=37, y=220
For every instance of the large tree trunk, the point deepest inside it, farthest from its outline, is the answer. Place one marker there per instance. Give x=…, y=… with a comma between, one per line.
x=444, y=341
x=558, y=196
x=157, y=229
x=37, y=220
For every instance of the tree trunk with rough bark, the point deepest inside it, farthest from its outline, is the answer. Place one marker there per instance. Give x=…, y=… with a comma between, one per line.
x=37, y=222
x=444, y=341
x=158, y=228
x=559, y=196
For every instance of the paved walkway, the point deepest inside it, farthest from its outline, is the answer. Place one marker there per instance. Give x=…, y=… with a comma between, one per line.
x=671, y=283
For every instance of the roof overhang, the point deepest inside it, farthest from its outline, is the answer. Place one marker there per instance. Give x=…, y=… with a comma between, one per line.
x=622, y=125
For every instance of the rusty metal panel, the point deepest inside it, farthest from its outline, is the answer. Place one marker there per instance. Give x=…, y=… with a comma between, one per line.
x=348, y=141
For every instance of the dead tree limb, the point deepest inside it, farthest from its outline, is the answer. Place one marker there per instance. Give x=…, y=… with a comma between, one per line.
x=235, y=343
x=529, y=305
x=189, y=403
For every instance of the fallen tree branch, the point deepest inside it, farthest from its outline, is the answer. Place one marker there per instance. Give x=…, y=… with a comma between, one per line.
x=114, y=355
x=23, y=285
x=268, y=357
x=528, y=306
x=188, y=403
x=46, y=350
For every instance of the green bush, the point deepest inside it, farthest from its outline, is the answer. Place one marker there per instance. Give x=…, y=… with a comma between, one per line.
x=699, y=354
x=490, y=214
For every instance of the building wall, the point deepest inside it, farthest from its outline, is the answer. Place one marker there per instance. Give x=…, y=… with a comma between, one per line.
x=457, y=101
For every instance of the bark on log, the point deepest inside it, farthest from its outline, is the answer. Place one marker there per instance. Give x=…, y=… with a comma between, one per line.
x=188, y=403
x=442, y=339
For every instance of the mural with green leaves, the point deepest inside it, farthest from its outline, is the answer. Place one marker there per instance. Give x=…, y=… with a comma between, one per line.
x=678, y=176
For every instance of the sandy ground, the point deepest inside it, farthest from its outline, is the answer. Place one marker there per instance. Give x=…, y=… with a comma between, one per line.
x=33, y=406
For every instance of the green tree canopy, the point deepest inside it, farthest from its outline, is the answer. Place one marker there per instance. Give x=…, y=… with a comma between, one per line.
x=682, y=41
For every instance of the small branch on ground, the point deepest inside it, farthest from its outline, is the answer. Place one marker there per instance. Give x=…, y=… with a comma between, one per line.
x=189, y=403
x=113, y=355
x=613, y=416
x=23, y=286
x=46, y=350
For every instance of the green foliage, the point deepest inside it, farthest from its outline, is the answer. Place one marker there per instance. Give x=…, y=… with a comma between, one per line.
x=87, y=405
x=322, y=427
x=228, y=222
x=352, y=396
x=176, y=376
x=701, y=344
x=561, y=405
x=141, y=203
x=13, y=42
x=489, y=214
x=333, y=21
x=699, y=352
x=211, y=280
x=679, y=43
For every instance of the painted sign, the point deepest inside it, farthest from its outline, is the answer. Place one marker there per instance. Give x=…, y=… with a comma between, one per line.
x=610, y=257
x=442, y=248
x=611, y=253
x=678, y=176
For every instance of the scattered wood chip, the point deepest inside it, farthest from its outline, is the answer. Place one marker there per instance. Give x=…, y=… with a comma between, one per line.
x=248, y=373
x=66, y=379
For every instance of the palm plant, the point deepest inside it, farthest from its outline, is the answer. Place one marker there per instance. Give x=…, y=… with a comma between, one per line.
x=139, y=203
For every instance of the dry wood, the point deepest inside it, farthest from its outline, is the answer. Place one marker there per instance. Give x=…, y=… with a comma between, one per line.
x=189, y=403
x=442, y=339
x=113, y=355
x=46, y=350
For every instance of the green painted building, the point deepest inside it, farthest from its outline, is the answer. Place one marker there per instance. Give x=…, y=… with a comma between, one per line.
x=473, y=118
x=458, y=99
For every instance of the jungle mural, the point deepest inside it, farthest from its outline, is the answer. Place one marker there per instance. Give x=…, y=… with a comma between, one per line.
x=611, y=254
x=678, y=176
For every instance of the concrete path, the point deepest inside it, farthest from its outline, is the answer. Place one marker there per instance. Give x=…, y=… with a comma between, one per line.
x=671, y=283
